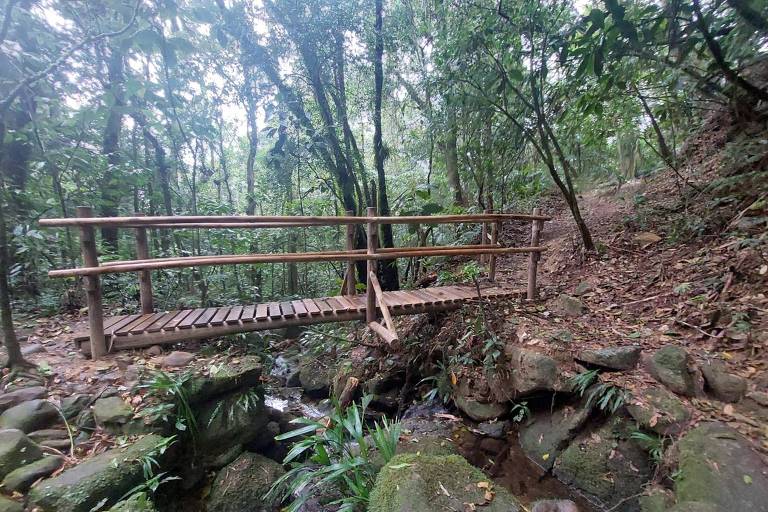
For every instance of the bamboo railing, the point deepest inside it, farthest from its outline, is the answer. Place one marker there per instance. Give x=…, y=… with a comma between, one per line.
x=488, y=250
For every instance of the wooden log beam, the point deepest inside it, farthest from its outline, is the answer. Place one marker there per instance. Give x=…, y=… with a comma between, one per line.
x=383, y=306
x=383, y=332
x=248, y=220
x=282, y=257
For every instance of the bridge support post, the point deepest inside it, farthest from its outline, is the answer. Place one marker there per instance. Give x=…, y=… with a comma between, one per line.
x=373, y=242
x=145, y=277
x=351, y=289
x=92, y=285
x=484, y=237
x=495, y=228
x=533, y=260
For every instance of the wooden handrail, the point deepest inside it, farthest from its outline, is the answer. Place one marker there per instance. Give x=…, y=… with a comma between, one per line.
x=464, y=249
x=284, y=257
x=246, y=221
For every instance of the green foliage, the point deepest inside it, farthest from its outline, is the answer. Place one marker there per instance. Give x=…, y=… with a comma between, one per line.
x=653, y=444
x=337, y=454
x=584, y=380
x=173, y=403
x=607, y=397
x=442, y=388
x=520, y=411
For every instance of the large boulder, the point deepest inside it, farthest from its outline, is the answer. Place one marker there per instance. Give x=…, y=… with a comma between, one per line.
x=607, y=465
x=569, y=306
x=546, y=434
x=480, y=411
x=533, y=372
x=673, y=366
x=237, y=418
x=102, y=479
x=16, y=450
x=112, y=413
x=612, y=358
x=424, y=483
x=234, y=375
x=241, y=486
x=73, y=404
x=723, y=385
x=8, y=505
x=717, y=466
x=30, y=416
x=660, y=411
x=315, y=377
x=22, y=478
x=12, y=398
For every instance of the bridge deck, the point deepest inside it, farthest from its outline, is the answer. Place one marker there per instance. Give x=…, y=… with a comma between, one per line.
x=133, y=331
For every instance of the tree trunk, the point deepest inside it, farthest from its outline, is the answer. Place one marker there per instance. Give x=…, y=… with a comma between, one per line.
x=388, y=268
x=451, y=152
x=110, y=186
x=6, y=314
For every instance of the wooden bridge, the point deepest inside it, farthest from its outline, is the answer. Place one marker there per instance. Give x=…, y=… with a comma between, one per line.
x=105, y=334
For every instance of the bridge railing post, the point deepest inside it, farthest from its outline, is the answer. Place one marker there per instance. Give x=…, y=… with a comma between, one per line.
x=536, y=226
x=373, y=242
x=145, y=277
x=350, y=245
x=92, y=285
x=484, y=237
x=495, y=228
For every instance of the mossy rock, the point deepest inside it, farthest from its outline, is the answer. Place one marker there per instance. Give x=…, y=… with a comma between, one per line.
x=235, y=419
x=30, y=416
x=424, y=483
x=660, y=411
x=546, y=434
x=22, y=478
x=673, y=366
x=139, y=502
x=16, y=450
x=101, y=479
x=718, y=466
x=316, y=377
x=241, y=486
x=8, y=505
x=606, y=464
x=238, y=375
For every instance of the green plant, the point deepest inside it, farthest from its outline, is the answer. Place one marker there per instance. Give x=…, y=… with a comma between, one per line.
x=247, y=401
x=583, y=380
x=520, y=411
x=607, y=397
x=338, y=453
x=167, y=386
x=492, y=349
x=653, y=444
x=441, y=384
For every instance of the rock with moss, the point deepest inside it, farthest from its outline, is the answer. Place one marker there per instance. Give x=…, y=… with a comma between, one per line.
x=480, y=411
x=30, y=416
x=606, y=464
x=231, y=420
x=241, y=486
x=139, y=502
x=16, y=450
x=612, y=358
x=659, y=411
x=104, y=478
x=568, y=305
x=546, y=434
x=315, y=377
x=9, y=505
x=21, y=479
x=656, y=499
x=425, y=483
x=718, y=466
x=723, y=385
x=673, y=366
x=112, y=414
x=14, y=398
x=533, y=372
x=235, y=375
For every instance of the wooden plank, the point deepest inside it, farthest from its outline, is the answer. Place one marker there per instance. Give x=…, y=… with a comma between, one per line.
x=248, y=313
x=234, y=315
x=299, y=307
x=190, y=319
x=443, y=297
x=175, y=321
x=428, y=299
x=287, y=309
x=112, y=320
x=347, y=303
x=221, y=314
x=142, y=326
x=262, y=312
x=274, y=310
x=358, y=301
x=126, y=329
x=399, y=300
x=118, y=325
x=205, y=317
x=325, y=308
x=464, y=292
x=158, y=325
x=436, y=298
x=337, y=306
x=311, y=306
x=415, y=299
